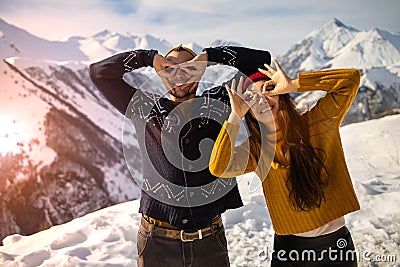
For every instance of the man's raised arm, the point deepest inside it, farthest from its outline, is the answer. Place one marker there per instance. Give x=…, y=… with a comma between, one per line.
x=107, y=75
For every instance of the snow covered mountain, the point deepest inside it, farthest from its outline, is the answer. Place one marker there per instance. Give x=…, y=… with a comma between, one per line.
x=375, y=52
x=106, y=43
x=317, y=48
x=336, y=45
x=16, y=42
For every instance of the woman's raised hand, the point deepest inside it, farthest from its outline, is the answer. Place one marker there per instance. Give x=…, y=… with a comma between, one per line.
x=280, y=83
x=241, y=101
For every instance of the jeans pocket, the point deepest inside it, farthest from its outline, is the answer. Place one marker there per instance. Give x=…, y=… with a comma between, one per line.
x=221, y=239
x=142, y=241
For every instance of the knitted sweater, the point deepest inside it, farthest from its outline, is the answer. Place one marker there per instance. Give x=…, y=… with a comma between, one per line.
x=324, y=120
x=177, y=186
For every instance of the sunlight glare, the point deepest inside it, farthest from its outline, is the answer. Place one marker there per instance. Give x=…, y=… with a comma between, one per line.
x=12, y=135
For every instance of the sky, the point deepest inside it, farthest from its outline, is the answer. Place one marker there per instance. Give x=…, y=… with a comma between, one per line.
x=263, y=24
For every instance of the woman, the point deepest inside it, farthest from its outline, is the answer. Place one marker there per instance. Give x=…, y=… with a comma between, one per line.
x=306, y=182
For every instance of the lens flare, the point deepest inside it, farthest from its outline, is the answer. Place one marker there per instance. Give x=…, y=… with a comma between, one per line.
x=13, y=135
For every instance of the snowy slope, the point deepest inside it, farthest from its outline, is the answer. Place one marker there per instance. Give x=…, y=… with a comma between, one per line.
x=78, y=93
x=108, y=237
x=66, y=87
x=64, y=138
x=54, y=122
x=18, y=42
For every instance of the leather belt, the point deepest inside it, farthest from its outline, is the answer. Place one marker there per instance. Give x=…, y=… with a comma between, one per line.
x=183, y=235
x=159, y=223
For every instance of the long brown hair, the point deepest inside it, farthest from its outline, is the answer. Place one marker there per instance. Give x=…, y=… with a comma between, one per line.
x=305, y=182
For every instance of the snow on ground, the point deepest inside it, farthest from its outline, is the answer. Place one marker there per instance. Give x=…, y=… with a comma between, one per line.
x=108, y=237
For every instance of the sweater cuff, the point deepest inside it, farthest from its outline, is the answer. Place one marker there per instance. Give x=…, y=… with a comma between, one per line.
x=231, y=128
x=139, y=58
x=212, y=56
x=150, y=56
x=326, y=80
x=223, y=55
x=308, y=81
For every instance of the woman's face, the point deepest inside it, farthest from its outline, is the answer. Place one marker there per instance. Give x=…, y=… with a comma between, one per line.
x=265, y=107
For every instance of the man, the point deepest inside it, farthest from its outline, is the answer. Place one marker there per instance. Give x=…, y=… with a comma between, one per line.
x=181, y=201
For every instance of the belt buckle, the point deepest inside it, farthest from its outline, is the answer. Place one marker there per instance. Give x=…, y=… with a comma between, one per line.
x=193, y=239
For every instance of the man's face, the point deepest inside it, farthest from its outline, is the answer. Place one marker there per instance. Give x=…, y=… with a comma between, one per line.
x=182, y=87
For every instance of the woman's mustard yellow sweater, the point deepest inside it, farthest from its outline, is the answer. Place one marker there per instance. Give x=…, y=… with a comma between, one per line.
x=324, y=120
